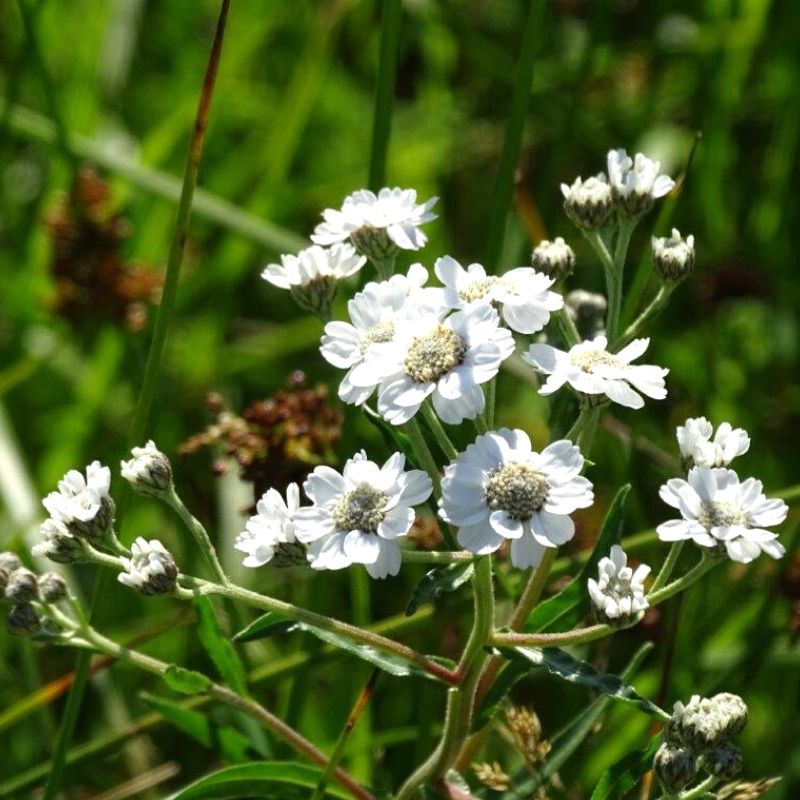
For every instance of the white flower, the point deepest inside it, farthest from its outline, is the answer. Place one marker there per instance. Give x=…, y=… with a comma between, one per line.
x=393, y=211
x=83, y=503
x=588, y=203
x=522, y=294
x=151, y=568
x=499, y=488
x=149, y=471
x=312, y=265
x=313, y=274
x=272, y=524
x=636, y=183
x=699, y=449
x=357, y=516
x=590, y=369
x=618, y=594
x=717, y=510
x=446, y=359
x=375, y=315
x=673, y=256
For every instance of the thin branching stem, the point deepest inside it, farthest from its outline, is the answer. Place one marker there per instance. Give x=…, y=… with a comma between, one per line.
x=656, y=305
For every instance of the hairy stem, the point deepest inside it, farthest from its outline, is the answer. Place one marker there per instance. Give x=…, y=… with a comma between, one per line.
x=670, y=562
x=615, y=298
x=439, y=433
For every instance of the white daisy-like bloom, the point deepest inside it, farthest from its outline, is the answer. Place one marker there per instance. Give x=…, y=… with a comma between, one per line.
x=83, y=503
x=364, y=215
x=271, y=525
x=636, y=182
x=618, y=593
x=588, y=203
x=151, y=569
x=444, y=359
x=591, y=370
x=698, y=448
x=375, y=314
x=501, y=489
x=717, y=510
x=523, y=295
x=358, y=515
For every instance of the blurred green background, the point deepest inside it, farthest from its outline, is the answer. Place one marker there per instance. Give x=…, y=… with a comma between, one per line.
x=290, y=135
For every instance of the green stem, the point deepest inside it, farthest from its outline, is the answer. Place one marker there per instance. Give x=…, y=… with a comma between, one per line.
x=701, y=789
x=291, y=611
x=231, y=698
x=569, y=333
x=653, y=309
x=615, y=298
x=437, y=556
x=439, y=433
x=384, y=92
x=491, y=400
x=580, y=423
x=670, y=562
x=200, y=534
x=481, y=425
x=460, y=701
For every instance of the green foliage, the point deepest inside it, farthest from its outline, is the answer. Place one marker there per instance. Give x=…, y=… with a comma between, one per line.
x=437, y=581
x=617, y=782
x=186, y=681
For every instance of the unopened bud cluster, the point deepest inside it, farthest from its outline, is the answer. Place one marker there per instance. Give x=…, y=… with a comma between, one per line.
x=149, y=471
x=28, y=593
x=698, y=738
x=555, y=259
x=151, y=569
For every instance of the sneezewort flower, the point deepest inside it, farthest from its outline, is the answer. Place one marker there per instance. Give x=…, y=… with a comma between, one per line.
x=58, y=544
x=312, y=275
x=378, y=225
x=446, y=360
x=698, y=448
x=358, y=515
x=673, y=256
x=591, y=370
x=588, y=203
x=636, y=183
x=151, y=569
x=618, y=595
x=148, y=471
x=501, y=489
x=718, y=511
x=675, y=767
x=83, y=503
x=375, y=315
x=270, y=526
x=522, y=295
x=21, y=586
x=555, y=259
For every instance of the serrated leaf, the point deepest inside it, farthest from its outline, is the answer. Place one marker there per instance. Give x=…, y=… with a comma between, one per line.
x=186, y=681
x=616, y=782
x=266, y=625
x=282, y=780
x=221, y=651
x=234, y=746
x=562, y=665
x=575, y=596
x=272, y=622
x=437, y=581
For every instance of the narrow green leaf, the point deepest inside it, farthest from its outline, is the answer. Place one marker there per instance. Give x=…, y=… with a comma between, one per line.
x=221, y=651
x=186, y=681
x=574, y=598
x=617, y=781
x=266, y=625
x=232, y=745
x=272, y=622
x=282, y=780
x=437, y=581
x=562, y=665
x=508, y=676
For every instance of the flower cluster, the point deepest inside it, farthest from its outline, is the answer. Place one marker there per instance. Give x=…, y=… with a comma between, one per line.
x=698, y=738
x=29, y=594
x=618, y=593
x=718, y=511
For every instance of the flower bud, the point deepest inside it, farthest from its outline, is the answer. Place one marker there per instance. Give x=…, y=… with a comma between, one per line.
x=9, y=561
x=588, y=311
x=52, y=587
x=22, y=586
x=58, y=544
x=23, y=620
x=724, y=761
x=555, y=259
x=151, y=569
x=96, y=529
x=588, y=203
x=673, y=257
x=675, y=767
x=317, y=296
x=374, y=243
x=695, y=725
x=149, y=471
x=731, y=712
